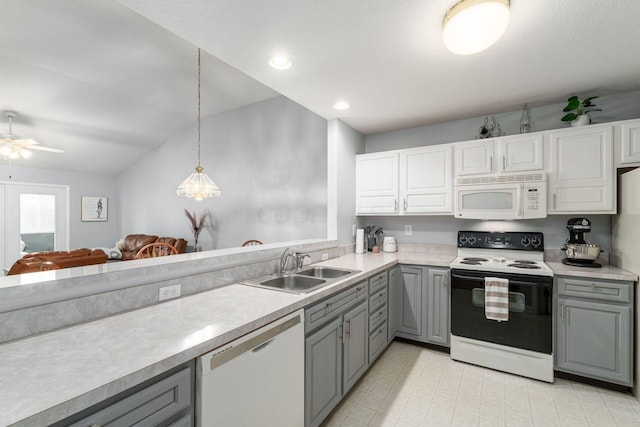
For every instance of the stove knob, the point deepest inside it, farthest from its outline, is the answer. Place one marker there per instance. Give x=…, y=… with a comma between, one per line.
x=535, y=241
x=471, y=240
x=463, y=239
x=525, y=241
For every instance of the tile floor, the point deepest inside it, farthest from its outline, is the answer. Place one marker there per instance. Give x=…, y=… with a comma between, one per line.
x=413, y=386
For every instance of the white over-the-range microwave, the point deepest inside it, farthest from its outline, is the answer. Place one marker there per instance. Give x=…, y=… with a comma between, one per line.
x=512, y=196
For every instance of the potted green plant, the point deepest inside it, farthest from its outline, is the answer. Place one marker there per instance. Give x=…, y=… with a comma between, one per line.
x=577, y=111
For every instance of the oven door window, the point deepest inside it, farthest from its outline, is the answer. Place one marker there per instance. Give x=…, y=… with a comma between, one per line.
x=516, y=300
x=529, y=326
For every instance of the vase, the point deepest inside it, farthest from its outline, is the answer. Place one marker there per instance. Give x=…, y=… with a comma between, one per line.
x=525, y=125
x=196, y=248
x=582, y=120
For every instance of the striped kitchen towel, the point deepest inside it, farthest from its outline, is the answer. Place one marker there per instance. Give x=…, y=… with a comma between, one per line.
x=496, y=299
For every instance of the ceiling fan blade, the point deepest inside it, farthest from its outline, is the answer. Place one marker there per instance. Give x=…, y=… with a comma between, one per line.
x=41, y=148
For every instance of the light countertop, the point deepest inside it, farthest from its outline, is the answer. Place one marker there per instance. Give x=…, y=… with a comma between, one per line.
x=46, y=378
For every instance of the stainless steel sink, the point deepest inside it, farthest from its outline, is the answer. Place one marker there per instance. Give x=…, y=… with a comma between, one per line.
x=294, y=283
x=301, y=282
x=325, y=272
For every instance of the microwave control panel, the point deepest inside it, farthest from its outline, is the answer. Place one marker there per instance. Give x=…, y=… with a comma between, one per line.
x=535, y=203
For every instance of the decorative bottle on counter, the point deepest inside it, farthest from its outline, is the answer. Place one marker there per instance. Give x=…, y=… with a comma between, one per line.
x=525, y=126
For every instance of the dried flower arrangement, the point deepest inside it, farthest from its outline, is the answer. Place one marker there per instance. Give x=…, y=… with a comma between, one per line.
x=196, y=225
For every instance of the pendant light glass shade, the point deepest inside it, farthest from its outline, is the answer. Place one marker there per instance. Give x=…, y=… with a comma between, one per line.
x=473, y=25
x=198, y=185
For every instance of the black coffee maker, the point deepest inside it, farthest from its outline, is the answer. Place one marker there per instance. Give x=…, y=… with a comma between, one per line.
x=580, y=252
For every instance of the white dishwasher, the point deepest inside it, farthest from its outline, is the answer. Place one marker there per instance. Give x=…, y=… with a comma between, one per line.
x=256, y=380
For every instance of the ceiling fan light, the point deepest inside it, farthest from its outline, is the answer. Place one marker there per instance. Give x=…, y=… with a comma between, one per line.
x=198, y=186
x=5, y=151
x=472, y=26
x=14, y=155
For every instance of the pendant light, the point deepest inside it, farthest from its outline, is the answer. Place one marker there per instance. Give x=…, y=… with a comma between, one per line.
x=198, y=185
x=471, y=26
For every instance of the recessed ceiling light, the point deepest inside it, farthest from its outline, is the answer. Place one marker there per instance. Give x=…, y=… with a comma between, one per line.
x=341, y=105
x=473, y=25
x=280, y=62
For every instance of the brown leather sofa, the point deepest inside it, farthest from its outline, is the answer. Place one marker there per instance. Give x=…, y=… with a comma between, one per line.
x=134, y=242
x=53, y=260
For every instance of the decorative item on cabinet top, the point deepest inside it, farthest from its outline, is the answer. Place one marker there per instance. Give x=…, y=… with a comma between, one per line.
x=490, y=130
x=577, y=111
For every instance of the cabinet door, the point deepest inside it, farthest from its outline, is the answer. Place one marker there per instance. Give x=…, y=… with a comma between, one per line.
x=582, y=176
x=593, y=339
x=392, y=289
x=520, y=153
x=426, y=180
x=474, y=157
x=630, y=142
x=377, y=183
x=323, y=372
x=356, y=350
x=409, y=304
x=437, y=315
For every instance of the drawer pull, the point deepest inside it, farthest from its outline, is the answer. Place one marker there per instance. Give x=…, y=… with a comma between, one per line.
x=380, y=294
x=593, y=286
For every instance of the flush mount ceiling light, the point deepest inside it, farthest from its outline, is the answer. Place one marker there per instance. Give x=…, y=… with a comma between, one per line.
x=280, y=62
x=473, y=25
x=13, y=147
x=198, y=185
x=341, y=105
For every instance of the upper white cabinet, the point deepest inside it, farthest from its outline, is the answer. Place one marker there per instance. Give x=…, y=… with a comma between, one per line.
x=520, y=152
x=514, y=153
x=581, y=179
x=377, y=183
x=630, y=142
x=426, y=177
x=405, y=182
x=474, y=157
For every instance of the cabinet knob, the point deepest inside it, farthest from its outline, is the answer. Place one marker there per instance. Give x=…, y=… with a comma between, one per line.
x=593, y=286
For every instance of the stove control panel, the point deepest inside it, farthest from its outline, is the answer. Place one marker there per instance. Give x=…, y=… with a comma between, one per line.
x=501, y=240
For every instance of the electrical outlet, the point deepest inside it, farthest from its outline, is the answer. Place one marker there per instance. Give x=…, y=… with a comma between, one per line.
x=325, y=256
x=168, y=292
x=408, y=230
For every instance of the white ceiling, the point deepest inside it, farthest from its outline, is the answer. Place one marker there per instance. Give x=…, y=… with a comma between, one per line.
x=92, y=77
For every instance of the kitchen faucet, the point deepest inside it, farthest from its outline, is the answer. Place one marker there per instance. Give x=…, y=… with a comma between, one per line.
x=283, y=261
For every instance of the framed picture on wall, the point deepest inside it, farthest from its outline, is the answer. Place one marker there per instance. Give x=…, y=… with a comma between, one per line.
x=93, y=209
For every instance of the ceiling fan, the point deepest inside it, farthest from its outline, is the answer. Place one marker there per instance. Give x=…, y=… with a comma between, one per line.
x=13, y=147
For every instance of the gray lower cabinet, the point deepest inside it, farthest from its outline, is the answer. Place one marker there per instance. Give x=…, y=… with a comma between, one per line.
x=409, y=303
x=437, y=313
x=423, y=304
x=166, y=400
x=392, y=293
x=336, y=350
x=594, y=330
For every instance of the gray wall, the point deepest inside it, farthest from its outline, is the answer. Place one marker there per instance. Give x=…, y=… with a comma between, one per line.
x=344, y=143
x=81, y=234
x=616, y=107
x=443, y=229
x=268, y=158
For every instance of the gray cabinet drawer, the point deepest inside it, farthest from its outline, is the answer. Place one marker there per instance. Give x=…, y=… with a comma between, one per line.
x=595, y=289
x=377, y=299
x=377, y=341
x=377, y=316
x=326, y=310
x=377, y=282
x=149, y=406
x=185, y=421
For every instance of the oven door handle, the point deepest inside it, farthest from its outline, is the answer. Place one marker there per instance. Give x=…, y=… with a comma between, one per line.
x=481, y=279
